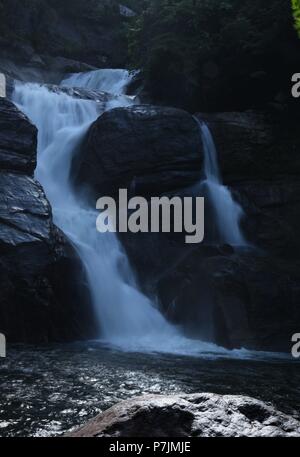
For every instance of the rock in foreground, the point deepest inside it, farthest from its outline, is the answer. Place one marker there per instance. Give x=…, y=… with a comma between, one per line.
x=197, y=415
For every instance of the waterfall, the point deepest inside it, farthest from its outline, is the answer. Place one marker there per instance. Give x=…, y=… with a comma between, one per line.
x=127, y=318
x=226, y=213
x=62, y=123
x=113, y=81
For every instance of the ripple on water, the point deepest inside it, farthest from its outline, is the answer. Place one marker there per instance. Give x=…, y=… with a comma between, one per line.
x=45, y=391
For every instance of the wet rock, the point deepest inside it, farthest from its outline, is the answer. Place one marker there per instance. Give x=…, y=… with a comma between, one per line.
x=78, y=92
x=255, y=301
x=195, y=415
x=254, y=144
x=146, y=149
x=49, y=69
x=17, y=139
x=127, y=12
x=73, y=30
x=38, y=269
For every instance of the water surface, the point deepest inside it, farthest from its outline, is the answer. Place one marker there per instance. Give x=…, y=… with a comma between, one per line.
x=47, y=390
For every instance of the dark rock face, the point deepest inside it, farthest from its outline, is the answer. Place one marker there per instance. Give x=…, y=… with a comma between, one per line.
x=254, y=144
x=234, y=299
x=45, y=68
x=48, y=37
x=197, y=415
x=152, y=149
x=38, y=267
x=256, y=300
x=17, y=140
x=245, y=299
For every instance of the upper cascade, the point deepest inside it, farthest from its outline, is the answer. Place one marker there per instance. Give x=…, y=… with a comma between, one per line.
x=114, y=81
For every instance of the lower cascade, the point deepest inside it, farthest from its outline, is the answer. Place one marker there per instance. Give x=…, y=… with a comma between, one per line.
x=127, y=318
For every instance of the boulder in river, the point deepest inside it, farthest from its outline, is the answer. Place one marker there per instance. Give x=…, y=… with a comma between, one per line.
x=194, y=415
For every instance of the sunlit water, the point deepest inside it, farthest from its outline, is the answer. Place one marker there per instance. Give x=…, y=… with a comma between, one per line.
x=48, y=390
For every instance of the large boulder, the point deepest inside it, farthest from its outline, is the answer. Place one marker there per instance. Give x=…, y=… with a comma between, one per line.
x=197, y=415
x=38, y=266
x=147, y=148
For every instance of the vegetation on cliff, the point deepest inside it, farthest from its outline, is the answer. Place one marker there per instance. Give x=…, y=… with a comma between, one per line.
x=217, y=55
x=296, y=14
x=213, y=55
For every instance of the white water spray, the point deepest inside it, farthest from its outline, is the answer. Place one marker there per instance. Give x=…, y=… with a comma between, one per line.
x=227, y=213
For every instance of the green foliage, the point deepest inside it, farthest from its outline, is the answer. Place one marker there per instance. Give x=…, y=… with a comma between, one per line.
x=208, y=39
x=296, y=13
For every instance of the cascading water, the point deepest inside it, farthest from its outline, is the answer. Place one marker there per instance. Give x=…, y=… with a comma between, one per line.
x=127, y=318
x=113, y=81
x=226, y=212
x=62, y=122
